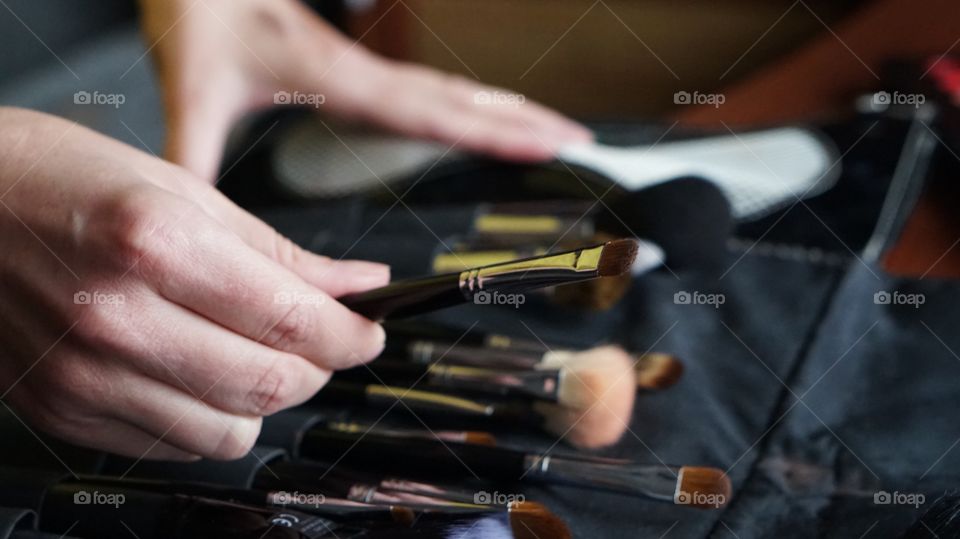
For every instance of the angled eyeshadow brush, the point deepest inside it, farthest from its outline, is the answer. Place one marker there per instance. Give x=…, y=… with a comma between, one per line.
x=415, y=296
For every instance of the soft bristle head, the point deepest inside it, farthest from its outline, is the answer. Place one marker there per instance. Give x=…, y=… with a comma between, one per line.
x=478, y=437
x=617, y=257
x=657, y=371
x=706, y=488
x=596, y=394
x=530, y=520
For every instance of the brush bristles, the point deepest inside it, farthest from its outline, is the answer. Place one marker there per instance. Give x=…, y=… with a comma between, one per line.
x=706, y=488
x=617, y=257
x=656, y=370
x=477, y=437
x=530, y=520
x=595, y=294
x=596, y=394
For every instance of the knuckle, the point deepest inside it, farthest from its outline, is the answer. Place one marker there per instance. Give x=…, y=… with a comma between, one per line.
x=294, y=328
x=237, y=440
x=286, y=252
x=139, y=224
x=274, y=390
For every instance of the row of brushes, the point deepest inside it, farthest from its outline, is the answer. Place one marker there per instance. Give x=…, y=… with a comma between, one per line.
x=106, y=507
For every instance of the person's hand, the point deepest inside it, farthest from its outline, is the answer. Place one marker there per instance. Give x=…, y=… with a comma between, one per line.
x=218, y=59
x=144, y=313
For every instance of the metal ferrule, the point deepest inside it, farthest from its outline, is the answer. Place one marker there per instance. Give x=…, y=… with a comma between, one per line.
x=658, y=482
x=532, y=273
x=540, y=384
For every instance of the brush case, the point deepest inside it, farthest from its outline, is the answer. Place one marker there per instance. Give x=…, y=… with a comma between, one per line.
x=828, y=405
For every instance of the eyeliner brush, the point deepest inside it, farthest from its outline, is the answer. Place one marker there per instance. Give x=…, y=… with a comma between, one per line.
x=415, y=296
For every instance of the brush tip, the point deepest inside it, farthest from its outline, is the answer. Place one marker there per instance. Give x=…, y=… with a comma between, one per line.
x=706, y=488
x=596, y=396
x=656, y=370
x=477, y=437
x=617, y=257
x=531, y=520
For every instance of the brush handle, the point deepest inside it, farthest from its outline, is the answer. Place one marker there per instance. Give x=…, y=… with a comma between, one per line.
x=657, y=482
x=535, y=384
x=418, y=401
x=401, y=333
x=414, y=457
x=408, y=297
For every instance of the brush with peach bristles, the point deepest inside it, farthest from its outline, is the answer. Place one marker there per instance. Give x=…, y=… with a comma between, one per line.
x=701, y=487
x=574, y=379
x=598, y=393
x=598, y=424
x=654, y=370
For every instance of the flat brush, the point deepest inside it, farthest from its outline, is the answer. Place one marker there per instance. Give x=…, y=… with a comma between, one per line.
x=682, y=485
x=416, y=296
x=592, y=426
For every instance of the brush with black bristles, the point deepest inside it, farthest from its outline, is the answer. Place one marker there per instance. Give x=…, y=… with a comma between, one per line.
x=653, y=370
x=683, y=485
x=415, y=296
x=597, y=413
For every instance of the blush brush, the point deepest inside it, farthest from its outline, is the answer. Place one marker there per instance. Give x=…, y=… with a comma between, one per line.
x=416, y=296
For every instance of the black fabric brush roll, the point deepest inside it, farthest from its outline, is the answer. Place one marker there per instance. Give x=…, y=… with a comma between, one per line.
x=822, y=400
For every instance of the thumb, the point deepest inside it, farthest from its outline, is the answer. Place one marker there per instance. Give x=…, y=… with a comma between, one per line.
x=198, y=123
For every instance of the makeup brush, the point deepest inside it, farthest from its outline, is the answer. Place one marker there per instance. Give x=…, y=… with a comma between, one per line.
x=416, y=296
x=683, y=485
x=596, y=294
x=571, y=380
x=461, y=436
x=594, y=426
x=654, y=370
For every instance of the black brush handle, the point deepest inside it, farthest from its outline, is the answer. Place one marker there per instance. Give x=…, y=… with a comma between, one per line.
x=407, y=297
x=414, y=457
